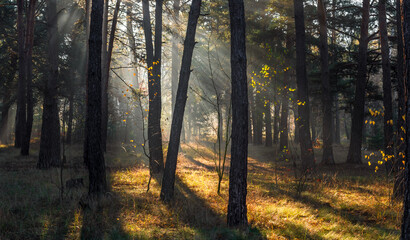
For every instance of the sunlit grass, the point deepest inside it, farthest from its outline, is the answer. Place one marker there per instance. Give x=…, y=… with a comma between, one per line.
x=343, y=202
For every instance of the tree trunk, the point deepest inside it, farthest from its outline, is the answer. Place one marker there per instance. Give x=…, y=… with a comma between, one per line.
x=25, y=143
x=175, y=52
x=70, y=116
x=387, y=98
x=327, y=157
x=398, y=188
x=276, y=120
x=154, y=85
x=237, y=209
x=337, y=120
x=405, y=228
x=258, y=120
x=106, y=76
x=355, y=148
x=283, y=144
x=305, y=140
x=93, y=153
x=268, y=124
x=168, y=181
x=50, y=129
x=21, y=92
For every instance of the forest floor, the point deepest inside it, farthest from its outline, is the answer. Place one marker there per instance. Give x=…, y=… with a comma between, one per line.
x=338, y=202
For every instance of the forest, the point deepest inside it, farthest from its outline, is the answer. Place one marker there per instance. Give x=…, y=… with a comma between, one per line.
x=214, y=119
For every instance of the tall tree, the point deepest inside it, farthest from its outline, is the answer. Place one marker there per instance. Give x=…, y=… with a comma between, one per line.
x=21, y=87
x=387, y=98
x=154, y=84
x=401, y=123
x=50, y=129
x=175, y=52
x=405, y=228
x=168, y=181
x=28, y=51
x=93, y=153
x=305, y=139
x=106, y=76
x=355, y=148
x=326, y=91
x=237, y=209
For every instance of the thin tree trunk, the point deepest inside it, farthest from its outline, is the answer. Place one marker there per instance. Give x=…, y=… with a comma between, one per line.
x=258, y=120
x=327, y=157
x=283, y=143
x=398, y=188
x=175, y=52
x=355, y=148
x=168, y=181
x=70, y=116
x=25, y=144
x=305, y=140
x=154, y=85
x=21, y=92
x=50, y=129
x=237, y=209
x=337, y=120
x=93, y=153
x=106, y=76
x=276, y=119
x=268, y=124
x=405, y=228
x=387, y=98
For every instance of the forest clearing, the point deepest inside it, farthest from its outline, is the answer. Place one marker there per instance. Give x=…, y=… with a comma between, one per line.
x=341, y=202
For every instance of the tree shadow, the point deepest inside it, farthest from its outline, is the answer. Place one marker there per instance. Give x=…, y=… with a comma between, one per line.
x=195, y=212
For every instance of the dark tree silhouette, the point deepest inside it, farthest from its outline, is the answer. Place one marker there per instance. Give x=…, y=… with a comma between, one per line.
x=237, y=209
x=168, y=181
x=93, y=153
x=305, y=139
x=50, y=129
x=326, y=91
x=355, y=148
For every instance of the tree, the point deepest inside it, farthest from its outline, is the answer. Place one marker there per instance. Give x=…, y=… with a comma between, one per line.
x=355, y=149
x=237, y=209
x=175, y=55
x=305, y=139
x=106, y=76
x=50, y=129
x=93, y=152
x=405, y=227
x=401, y=123
x=168, y=181
x=326, y=91
x=387, y=98
x=153, y=60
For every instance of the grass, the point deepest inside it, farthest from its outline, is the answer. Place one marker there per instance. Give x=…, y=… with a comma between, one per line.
x=339, y=202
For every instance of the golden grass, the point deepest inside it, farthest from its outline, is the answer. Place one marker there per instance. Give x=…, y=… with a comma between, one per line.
x=340, y=202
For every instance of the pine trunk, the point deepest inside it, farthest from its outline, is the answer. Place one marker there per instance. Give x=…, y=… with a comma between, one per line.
x=237, y=209
x=355, y=148
x=50, y=129
x=168, y=182
x=305, y=140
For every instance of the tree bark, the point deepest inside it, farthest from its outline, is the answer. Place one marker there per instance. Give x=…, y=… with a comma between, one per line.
x=168, y=181
x=398, y=188
x=268, y=124
x=237, y=209
x=93, y=153
x=106, y=76
x=355, y=148
x=25, y=143
x=154, y=85
x=327, y=157
x=405, y=228
x=387, y=97
x=276, y=119
x=305, y=139
x=49, y=154
x=283, y=143
x=175, y=52
x=21, y=92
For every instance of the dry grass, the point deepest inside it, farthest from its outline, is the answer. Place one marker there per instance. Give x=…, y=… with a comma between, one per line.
x=340, y=202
